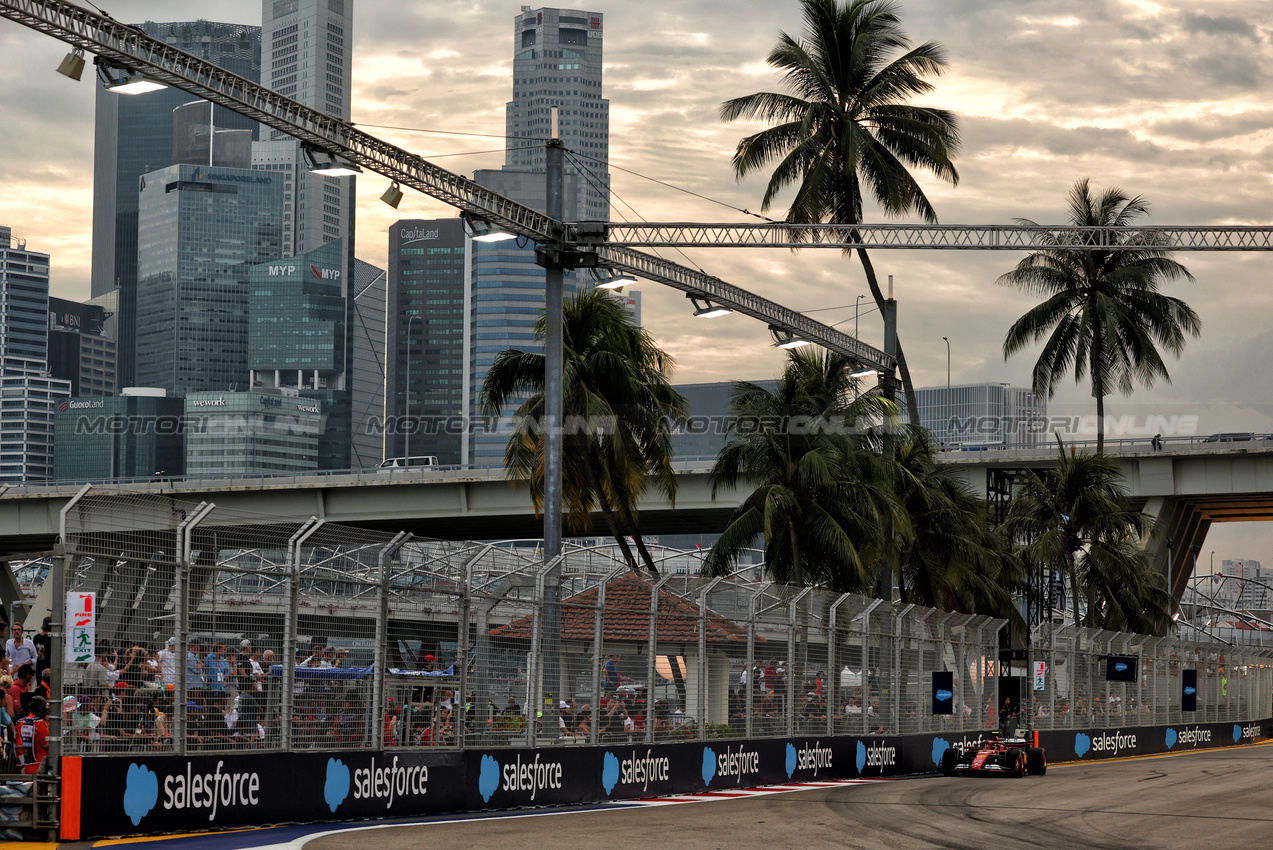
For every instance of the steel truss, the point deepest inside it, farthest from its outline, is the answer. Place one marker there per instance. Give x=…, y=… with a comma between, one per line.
x=929, y=237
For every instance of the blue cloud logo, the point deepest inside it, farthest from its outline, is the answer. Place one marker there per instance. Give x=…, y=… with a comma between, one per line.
x=709, y=765
x=940, y=746
x=861, y=756
x=609, y=772
x=1082, y=744
x=1171, y=738
x=1237, y=733
x=791, y=759
x=943, y=695
x=488, y=779
x=141, y=792
x=1120, y=666
x=1190, y=690
x=336, y=788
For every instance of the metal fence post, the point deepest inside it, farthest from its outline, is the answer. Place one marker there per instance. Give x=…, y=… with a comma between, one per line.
x=598, y=616
x=652, y=654
x=833, y=663
x=181, y=613
x=702, y=656
x=63, y=564
x=751, y=657
x=381, y=657
x=288, y=702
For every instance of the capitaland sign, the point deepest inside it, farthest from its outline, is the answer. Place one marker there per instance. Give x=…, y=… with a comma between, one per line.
x=416, y=234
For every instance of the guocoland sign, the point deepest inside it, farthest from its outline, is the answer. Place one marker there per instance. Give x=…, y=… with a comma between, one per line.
x=140, y=794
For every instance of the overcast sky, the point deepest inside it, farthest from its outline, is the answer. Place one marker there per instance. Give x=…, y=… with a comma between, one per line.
x=1158, y=98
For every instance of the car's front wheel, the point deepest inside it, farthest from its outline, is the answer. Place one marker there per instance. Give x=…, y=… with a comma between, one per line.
x=948, y=761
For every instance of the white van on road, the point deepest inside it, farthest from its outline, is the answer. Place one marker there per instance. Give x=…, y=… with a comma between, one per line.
x=402, y=463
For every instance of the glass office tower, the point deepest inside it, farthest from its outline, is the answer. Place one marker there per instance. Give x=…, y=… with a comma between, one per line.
x=132, y=136
x=200, y=231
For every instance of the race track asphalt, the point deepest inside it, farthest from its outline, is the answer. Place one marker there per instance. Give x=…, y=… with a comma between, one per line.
x=1205, y=799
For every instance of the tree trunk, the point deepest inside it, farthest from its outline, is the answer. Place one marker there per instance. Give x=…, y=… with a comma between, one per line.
x=608, y=513
x=912, y=402
x=1100, y=423
x=1074, y=587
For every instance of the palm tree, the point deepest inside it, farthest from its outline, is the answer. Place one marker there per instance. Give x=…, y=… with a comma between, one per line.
x=619, y=410
x=847, y=122
x=1076, y=517
x=950, y=559
x=820, y=498
x=1103, y=315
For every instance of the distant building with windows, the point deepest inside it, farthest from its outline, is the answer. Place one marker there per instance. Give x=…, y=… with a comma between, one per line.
x=307, y=55
x=426, y=356
x=200, y=230
x=262, y=432
x=296, y=338
x=367, y=365
x=557, y=61
x=133, y=135
x=29, y=393
x=82, y=346
x=133, y=435
x=982, y=414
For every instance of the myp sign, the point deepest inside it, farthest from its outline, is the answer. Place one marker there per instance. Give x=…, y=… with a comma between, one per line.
x=943, y=692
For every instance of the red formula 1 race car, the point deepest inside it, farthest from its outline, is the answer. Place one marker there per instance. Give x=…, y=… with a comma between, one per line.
x=1004, y=757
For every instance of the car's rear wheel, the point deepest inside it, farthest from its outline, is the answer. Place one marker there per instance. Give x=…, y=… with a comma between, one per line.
x=1036, y=761
x=948, y=760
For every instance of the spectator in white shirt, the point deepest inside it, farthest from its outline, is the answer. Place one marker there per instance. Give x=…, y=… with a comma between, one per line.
x=19, y=649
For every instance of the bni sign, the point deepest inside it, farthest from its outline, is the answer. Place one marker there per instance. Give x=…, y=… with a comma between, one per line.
x=81, y=626
x=1040, y=674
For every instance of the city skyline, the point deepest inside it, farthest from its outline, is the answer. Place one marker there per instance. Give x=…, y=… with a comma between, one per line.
x=1155, y=98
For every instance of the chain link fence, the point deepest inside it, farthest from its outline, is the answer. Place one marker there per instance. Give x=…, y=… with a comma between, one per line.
x=219, y=632
x=1230, y=683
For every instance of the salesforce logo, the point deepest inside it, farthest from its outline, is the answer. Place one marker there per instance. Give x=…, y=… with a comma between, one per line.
x=729, y=764
x=141, y=792
x=943, y=695
x=336, y=788
x=634, y=769
x=1120, y=666
x=533, y=776
x=940, y=745
x=1082, y=744
x=216, y=791
x=1171, y=737
x=1190, y=690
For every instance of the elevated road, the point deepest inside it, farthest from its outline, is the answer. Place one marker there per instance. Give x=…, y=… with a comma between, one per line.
x=1187, y=487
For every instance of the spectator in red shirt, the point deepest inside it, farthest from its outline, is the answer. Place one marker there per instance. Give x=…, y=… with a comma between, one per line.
x=33, y=736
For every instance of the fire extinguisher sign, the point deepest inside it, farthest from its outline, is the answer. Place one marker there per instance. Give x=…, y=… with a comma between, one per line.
x=81, y=626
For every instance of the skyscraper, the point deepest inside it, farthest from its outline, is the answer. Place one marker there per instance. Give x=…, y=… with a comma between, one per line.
x=200, y=229
x=425, y=362
x=557, y=62
x=307, y=55
x=367, y=365
x=133, y=135
x=30, y=393
x=296, y=338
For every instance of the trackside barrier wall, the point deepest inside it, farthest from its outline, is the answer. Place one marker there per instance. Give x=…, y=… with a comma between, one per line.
x=161, y=793
x=229, y=636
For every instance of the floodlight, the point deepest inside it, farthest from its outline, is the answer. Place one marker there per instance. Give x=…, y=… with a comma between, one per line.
x=705, y=309
x=134, y=82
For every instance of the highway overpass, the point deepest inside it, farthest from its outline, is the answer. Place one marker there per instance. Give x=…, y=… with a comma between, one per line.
x=1186, y=487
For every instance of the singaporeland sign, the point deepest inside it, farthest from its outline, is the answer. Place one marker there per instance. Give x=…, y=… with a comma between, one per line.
x=1040, y=675
x=81, y=626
